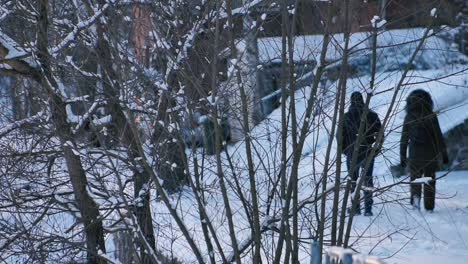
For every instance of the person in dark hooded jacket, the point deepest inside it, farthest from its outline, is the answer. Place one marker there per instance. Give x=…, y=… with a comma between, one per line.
x=351, y=125
x=421, y=132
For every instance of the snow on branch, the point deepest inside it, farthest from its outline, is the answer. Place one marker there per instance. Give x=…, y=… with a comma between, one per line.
x=424, y=180
x=4, y=12
x=190, y=36
x=378, y=22
x=12, y=126
x=75, y=99
x=244, y=9
x=71, y=117
x=69, y=60
x=79, y=27
x=82, y=118
x=130, y=2
x=103, y=120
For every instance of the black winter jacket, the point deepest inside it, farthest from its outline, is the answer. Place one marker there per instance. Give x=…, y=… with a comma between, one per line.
x=352, y=121
x=426, y=144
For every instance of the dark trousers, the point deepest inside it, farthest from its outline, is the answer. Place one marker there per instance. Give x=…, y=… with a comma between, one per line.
x=368, y=181
x=429, y=187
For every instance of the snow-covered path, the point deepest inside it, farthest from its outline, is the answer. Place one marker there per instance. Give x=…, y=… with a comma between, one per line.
x=419, y=237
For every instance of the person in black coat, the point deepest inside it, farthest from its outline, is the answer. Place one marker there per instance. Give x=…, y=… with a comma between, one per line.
x=351, y=125
x=421, y=132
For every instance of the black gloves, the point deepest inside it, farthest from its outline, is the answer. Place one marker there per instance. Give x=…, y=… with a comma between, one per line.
x=445, y=158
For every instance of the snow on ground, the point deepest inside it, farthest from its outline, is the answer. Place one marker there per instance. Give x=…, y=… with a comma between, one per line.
x=419, y=237
x=445, y=232
x=451, y=98
x=398, y=232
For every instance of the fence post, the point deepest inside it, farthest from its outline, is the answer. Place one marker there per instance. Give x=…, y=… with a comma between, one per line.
x=347, y=257
x=315, y=256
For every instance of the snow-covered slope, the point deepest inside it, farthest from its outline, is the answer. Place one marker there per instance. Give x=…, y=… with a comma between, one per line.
x=393, y=226
x=443, y=234
x=393, y=46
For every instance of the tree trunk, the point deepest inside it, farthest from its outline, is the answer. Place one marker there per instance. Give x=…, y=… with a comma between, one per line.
x=140, y=31
x=88, y=208
x=128, y=138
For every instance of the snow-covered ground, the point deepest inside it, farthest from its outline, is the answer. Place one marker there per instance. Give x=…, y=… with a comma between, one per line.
x=399, y=235
x=411, y=236
x=396, y=232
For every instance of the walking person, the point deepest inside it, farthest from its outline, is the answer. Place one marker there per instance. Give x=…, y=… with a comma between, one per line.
x=372, y=125
x=421, y=132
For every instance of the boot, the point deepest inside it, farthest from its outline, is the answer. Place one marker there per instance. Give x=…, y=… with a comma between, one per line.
x=368, y=213
x=357, y=211
x=429, y=195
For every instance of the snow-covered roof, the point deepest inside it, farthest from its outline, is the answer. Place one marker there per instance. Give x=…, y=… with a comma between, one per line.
x=14, y=50
x=395, y=46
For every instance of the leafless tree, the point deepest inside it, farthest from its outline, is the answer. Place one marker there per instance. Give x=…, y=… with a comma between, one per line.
x=102, y=159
